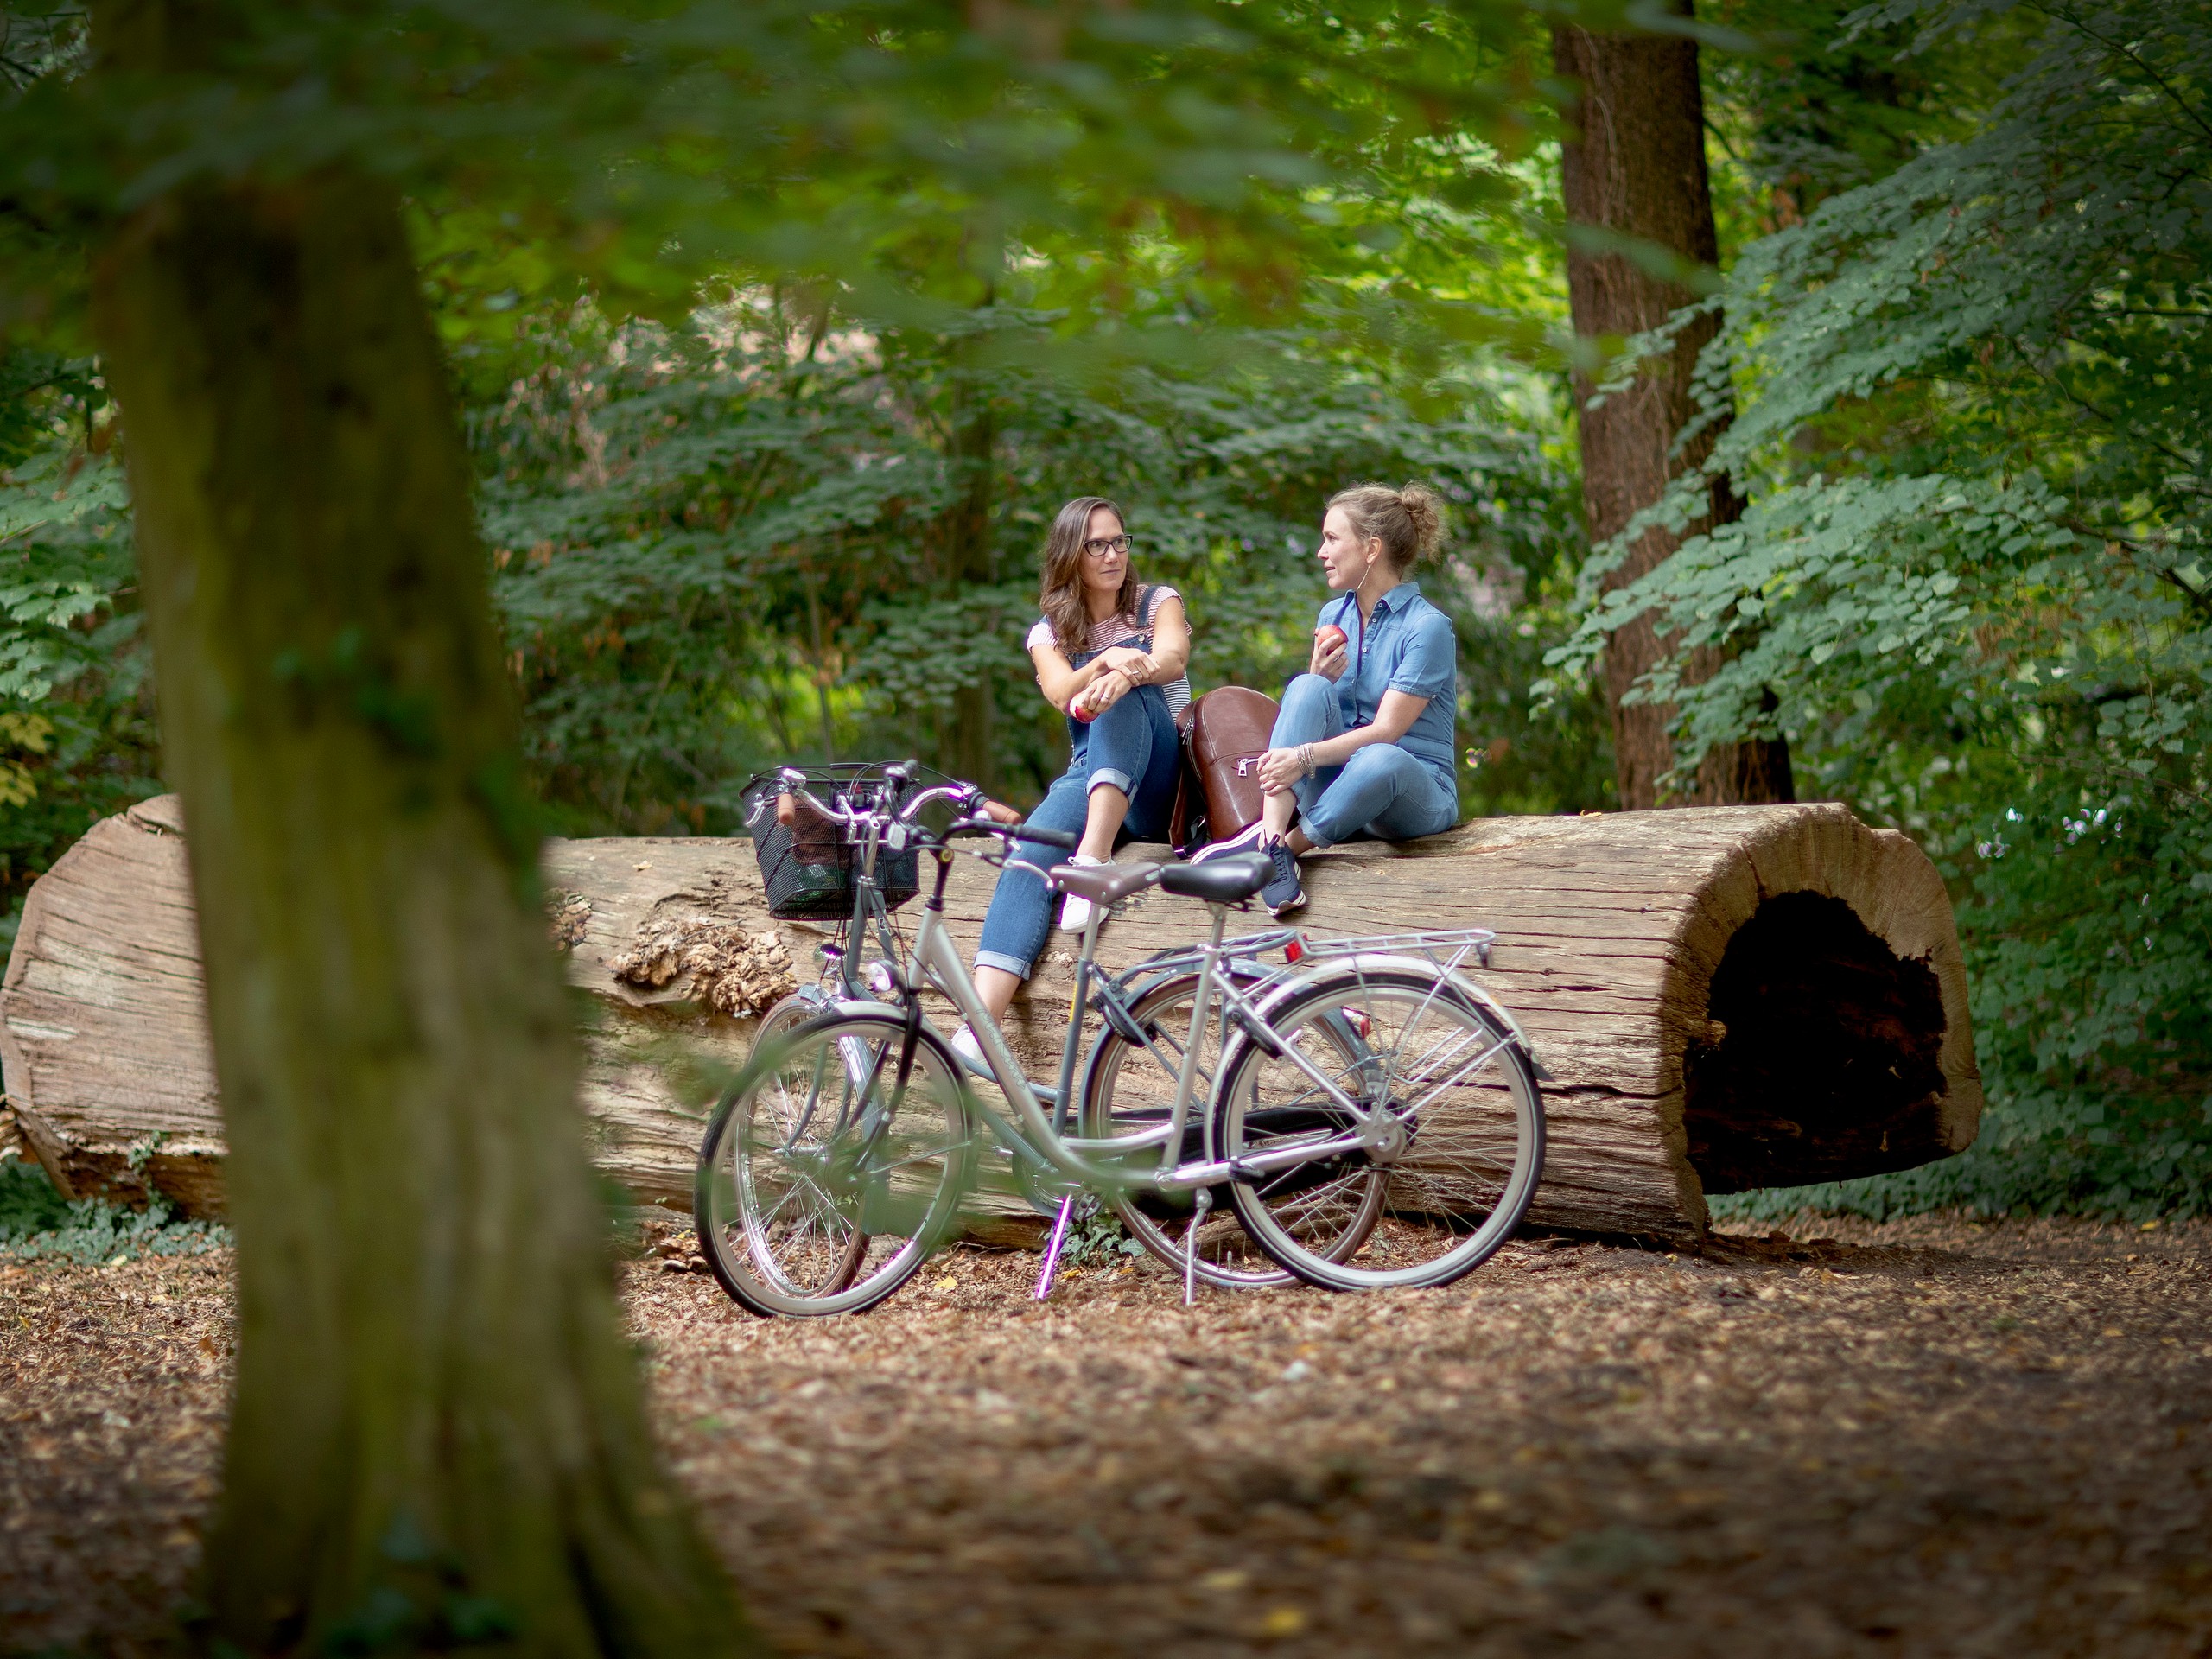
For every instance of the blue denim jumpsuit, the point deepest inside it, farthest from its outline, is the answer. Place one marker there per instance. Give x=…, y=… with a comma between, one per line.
x=1134, y=747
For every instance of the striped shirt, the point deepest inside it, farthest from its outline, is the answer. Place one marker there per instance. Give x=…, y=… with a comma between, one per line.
x=1118, y=630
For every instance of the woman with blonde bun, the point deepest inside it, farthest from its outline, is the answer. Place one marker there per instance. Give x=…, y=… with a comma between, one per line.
x=1363, y=742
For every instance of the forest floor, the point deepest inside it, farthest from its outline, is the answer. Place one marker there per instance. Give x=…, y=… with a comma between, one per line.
x=1927, y=1438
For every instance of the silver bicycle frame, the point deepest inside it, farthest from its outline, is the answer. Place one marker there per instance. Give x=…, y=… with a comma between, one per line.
x=936, y=961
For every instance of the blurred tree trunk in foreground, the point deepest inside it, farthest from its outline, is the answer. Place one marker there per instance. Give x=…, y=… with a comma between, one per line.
x=438, y=1435
x=1636, y=167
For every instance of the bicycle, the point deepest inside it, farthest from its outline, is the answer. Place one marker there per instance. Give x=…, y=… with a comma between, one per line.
x=837, y=1161
x=1138, y=1053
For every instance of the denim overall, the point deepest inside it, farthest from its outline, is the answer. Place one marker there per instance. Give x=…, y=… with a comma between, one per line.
x=1132, y=746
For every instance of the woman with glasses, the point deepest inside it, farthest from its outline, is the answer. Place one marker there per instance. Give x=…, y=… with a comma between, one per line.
x=1110, y=655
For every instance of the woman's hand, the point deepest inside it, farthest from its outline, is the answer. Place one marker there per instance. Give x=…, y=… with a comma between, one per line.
x=1281, y=768
x=1329, y=657
x=1103, y=692
x=1127, y=656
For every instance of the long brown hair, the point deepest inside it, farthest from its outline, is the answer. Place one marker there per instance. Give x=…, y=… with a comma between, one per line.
x=1059, y=595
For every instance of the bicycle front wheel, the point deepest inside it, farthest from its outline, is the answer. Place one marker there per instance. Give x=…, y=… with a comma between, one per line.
x=833, y=1167
x=1466, y=1121
x=788, y=1015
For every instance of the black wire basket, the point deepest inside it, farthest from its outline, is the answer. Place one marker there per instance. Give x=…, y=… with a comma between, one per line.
x=808, y=866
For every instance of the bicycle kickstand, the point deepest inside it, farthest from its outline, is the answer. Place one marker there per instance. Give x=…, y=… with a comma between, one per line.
x=1052, y=1249
x=1201, y=1202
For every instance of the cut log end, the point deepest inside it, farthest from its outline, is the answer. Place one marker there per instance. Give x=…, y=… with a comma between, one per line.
x=1823, y=1056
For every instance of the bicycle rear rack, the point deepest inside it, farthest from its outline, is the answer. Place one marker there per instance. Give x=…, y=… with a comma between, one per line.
x=1459, y=942
x=1444, y=947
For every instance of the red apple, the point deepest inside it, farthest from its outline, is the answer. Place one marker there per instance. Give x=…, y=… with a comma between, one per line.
x=1329, y=635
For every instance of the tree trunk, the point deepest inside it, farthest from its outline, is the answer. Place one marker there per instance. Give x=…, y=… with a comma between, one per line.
x=969, y=561
x=1636, y=168
x=1726, y=998
x=438, y=1432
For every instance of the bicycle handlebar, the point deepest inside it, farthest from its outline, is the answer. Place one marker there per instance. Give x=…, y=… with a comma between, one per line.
x=795, y=784
x=965, y=796
x=1015, y=832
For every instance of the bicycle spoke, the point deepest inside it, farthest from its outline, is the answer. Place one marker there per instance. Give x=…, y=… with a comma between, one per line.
x=843, y=1161
x=1481, y=1059
x=1465, y=1114
x=1130, y=1090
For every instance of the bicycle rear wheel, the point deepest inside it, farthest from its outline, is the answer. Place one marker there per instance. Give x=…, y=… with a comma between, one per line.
x=1469, y=1138
x=832, y=1170
x=1129, y=1087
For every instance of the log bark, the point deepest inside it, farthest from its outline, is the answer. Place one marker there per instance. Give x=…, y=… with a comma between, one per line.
x=1635, y=167
x=1727, y=998
x=438, y=1435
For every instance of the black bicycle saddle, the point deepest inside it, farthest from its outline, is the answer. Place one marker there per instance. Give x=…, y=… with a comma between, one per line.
x=1222, y=880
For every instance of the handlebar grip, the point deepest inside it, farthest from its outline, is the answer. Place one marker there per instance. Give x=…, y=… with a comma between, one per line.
x=1013, y=832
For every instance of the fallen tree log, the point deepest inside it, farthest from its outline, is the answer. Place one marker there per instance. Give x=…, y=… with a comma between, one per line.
x=1727, y=998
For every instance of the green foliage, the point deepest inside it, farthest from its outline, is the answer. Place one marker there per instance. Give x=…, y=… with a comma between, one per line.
x=38, y=1222
x=747, y=540
x=1829, y=98
x=77, y=738
x=1973, y=586
x=1098, y=1240
x=908, y=152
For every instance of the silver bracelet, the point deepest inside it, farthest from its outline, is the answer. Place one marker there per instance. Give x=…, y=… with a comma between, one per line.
x=1306, y=759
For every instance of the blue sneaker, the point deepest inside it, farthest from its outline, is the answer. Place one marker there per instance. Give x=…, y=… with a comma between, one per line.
x=1284, y=892
x=1245, y=840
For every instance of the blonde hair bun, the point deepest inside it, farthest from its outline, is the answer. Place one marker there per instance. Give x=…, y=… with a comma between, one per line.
x=1425, y=509
x=1408, y=521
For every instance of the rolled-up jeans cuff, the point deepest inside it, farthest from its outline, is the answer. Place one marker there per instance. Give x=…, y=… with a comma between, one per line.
x=1307, y=792
x=1121, y=780
x=1005, y=963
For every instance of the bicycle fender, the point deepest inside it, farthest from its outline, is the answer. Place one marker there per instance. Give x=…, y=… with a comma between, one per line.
x=1381, y=962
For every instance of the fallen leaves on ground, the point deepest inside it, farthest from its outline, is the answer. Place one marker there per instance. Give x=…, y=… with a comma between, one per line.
x=1930, y=1438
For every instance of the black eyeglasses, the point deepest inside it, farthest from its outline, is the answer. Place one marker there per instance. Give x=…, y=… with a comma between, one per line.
x=1101, y=547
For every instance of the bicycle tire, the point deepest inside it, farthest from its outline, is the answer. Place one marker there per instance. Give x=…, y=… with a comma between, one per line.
x=809, y=1122
x=1474, y=1143
x=1127, y=1085
x=788, y=1015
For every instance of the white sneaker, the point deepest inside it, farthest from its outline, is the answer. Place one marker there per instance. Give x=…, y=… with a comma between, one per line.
x=965, y=1045
x=1074, y=913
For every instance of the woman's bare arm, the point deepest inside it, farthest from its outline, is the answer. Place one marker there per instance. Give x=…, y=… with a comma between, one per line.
x=1171, y=645
x=1123, y=670
x=1061, y=683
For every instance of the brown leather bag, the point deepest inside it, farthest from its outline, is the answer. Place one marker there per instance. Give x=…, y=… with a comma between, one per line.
x=1230, y=729
x=1186, y=820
